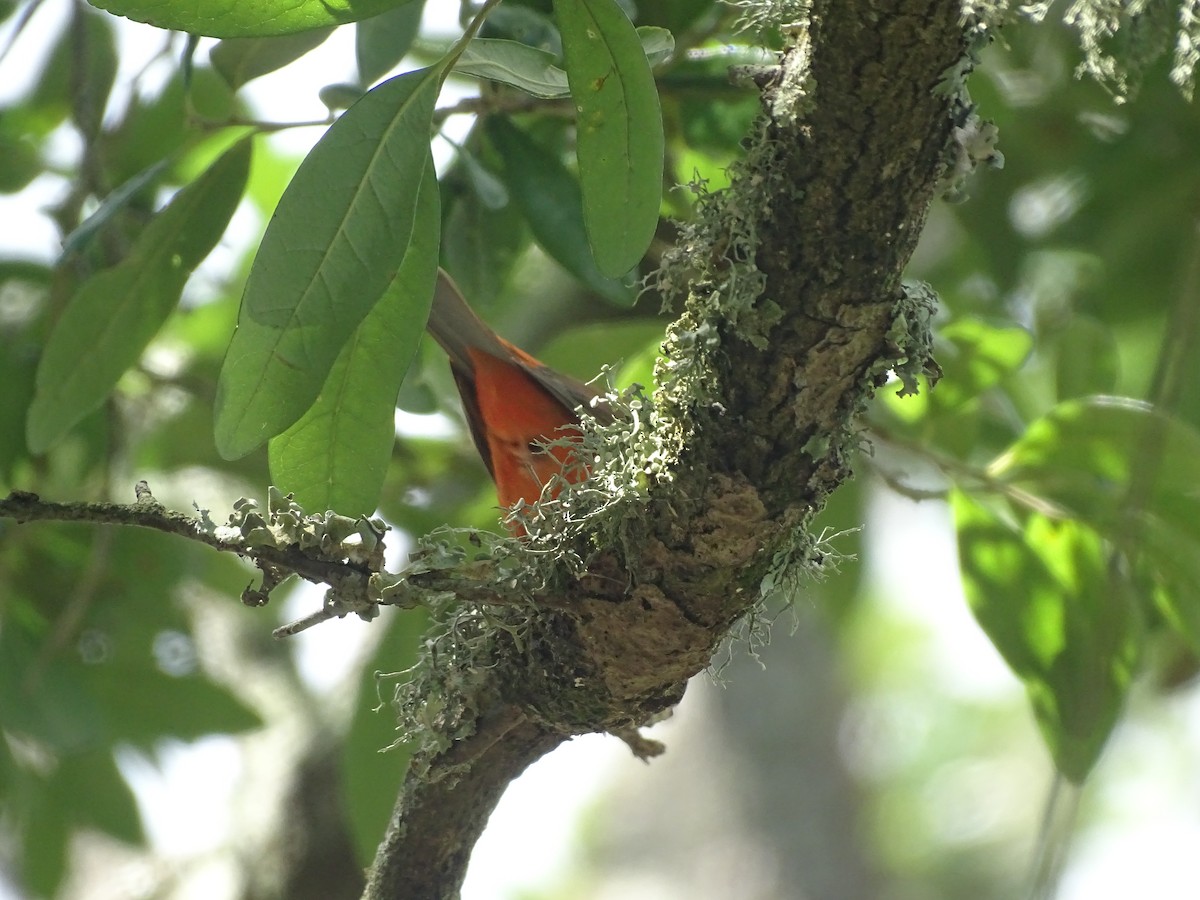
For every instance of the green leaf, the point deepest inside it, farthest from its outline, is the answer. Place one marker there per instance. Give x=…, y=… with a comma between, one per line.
x=340, y=96
x=480, y=245
x=19, y=349
x=534, y=70
x=1171, y=559
x=526, y=26
x=491, y=190
x=22, y=158
x=584, y=350
x=552, y=203
x=84, y=791
x=44, y=832
x=239, y=60
x=93, y=68
x=1044, y=596
x=336, y=455
x=620, y=131
x=113, y=204
x=1087, y=359
x=1083, y=455
x=657, y=43
x=337, y=237
x=380, y=42
x=94, y=794
x=509, y=62
x=44, y=702
x=1082, y=458
x=245, y=18
x=114, y=314
x=977, y=355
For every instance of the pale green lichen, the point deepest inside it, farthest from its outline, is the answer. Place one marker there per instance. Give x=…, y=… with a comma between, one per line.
x=285, y=523
x=973, y=139
x=1121, y=39
x=761, y=16
x=910, y=337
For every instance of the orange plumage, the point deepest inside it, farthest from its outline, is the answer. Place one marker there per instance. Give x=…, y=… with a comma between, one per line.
x=513, y=403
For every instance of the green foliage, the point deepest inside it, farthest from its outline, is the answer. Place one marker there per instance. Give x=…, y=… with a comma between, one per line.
x=342, y=227
x=130, y=301
x=620, y=137
x=1076, y=514
x=239, y=60
x=115, y=665
x=1043, y=592
x=247, y=18
x=335, y=455
x=381, y=41
x=552, y=203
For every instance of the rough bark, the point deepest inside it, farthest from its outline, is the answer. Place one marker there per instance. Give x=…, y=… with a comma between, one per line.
x=834, y=193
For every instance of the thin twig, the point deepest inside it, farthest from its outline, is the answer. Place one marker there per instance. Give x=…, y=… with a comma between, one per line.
x=26, y=507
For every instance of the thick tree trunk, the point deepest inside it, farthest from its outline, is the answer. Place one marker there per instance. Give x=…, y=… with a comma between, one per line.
x=794, y=313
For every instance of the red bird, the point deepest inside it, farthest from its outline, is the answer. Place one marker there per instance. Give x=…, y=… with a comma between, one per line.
x=513, y=403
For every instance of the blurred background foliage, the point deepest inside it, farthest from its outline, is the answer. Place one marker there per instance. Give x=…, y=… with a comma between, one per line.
x=882, y=750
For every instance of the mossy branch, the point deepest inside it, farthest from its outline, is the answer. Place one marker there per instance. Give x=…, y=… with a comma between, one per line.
x=794, y=311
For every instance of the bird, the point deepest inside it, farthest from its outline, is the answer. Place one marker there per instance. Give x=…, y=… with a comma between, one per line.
x=514, y=404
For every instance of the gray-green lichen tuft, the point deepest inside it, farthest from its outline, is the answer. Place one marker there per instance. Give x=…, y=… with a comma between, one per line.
x=910, y=338
x=759, y=16
x=1120, y=39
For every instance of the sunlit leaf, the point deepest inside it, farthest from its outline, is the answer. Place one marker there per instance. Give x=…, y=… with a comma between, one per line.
x=1085, y=454
x=245, y=18
x=1046, y=597
x=977, y=355
x=620, y=131
x=1133, y=474
x=335, y=456
x=114, y=314
x=328, y=255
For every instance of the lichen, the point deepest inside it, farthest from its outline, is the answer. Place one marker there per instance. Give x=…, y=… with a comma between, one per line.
x=910, y=337
x=1122, y=39
x=973, y=139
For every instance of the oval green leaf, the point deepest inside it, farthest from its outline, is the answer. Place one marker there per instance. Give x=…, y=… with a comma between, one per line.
x=527, y=68
x=336, y=455
x=552, y=203
x=245, y=18
x=620, y=130
x=114, y=314
x=382, y=41
x=239, y=60
x=1044, y=596
x=329, y=254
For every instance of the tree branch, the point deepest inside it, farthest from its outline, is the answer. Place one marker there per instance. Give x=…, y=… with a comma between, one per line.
x=780, y=346
x=148, y=513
